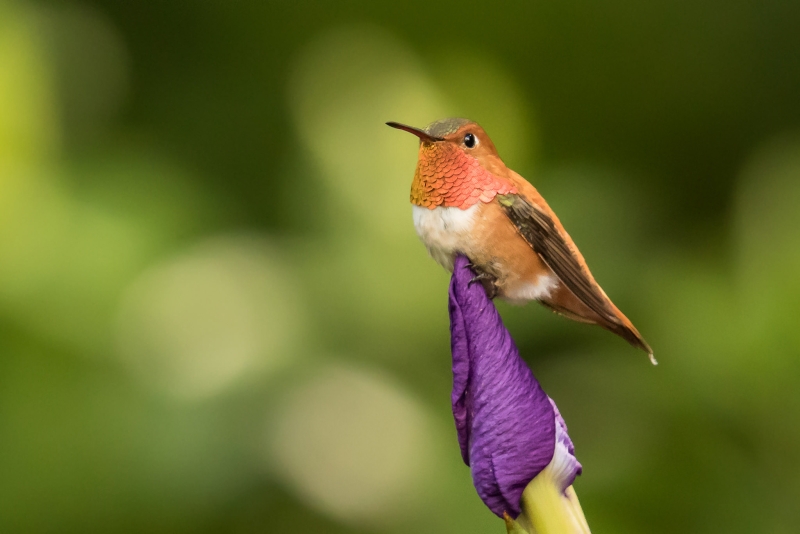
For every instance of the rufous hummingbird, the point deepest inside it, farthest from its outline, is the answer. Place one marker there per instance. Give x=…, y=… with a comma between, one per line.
x=466, y=201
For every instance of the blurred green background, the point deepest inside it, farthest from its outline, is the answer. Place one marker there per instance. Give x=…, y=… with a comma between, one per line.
x=215, y=315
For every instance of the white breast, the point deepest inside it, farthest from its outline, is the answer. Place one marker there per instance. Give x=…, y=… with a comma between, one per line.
x=444, y=231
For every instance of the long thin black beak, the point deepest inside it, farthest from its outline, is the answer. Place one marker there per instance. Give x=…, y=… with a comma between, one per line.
x=424, y=137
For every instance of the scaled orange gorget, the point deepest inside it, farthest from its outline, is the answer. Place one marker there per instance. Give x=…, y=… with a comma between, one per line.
x=448, y=177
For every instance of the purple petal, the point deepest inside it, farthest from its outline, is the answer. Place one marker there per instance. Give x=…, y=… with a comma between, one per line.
x=565, y=466
x=507, y=426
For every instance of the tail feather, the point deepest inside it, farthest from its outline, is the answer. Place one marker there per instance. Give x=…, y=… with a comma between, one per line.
x=629, y=333
x=613, y=320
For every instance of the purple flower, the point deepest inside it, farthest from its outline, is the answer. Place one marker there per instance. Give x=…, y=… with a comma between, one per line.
x=509, y=430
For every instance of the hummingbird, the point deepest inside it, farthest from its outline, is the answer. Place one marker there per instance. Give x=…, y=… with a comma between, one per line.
x=465, y=200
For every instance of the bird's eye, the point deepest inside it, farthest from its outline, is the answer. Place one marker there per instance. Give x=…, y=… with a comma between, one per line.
x=470, y=141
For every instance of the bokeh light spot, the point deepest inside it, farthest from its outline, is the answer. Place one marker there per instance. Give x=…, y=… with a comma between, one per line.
x=345, y=86
x=353, y=444
x=29, y=129
x=195, y=324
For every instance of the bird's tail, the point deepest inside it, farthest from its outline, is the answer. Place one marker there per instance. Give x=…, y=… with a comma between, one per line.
x=625, y=329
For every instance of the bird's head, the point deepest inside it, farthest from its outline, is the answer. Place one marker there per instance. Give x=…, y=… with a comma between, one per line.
x=457, y=163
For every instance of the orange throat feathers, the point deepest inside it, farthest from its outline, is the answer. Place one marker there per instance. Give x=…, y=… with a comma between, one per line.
x=448, y=177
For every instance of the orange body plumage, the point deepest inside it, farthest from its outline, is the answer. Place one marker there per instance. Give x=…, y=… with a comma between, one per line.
x=467, y=201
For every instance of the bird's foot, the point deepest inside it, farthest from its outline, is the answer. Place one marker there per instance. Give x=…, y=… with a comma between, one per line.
x=487, y=280
x=481, y=276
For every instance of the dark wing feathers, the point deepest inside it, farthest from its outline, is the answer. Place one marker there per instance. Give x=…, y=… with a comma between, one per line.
x=541, y=234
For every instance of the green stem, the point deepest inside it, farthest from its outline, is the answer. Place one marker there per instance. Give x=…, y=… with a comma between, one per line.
x=549, y=511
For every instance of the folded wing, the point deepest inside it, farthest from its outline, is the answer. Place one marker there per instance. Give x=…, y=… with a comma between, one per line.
x=539, y=230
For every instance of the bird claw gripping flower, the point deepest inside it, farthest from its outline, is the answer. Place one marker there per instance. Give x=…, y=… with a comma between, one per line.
x=510, y=432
